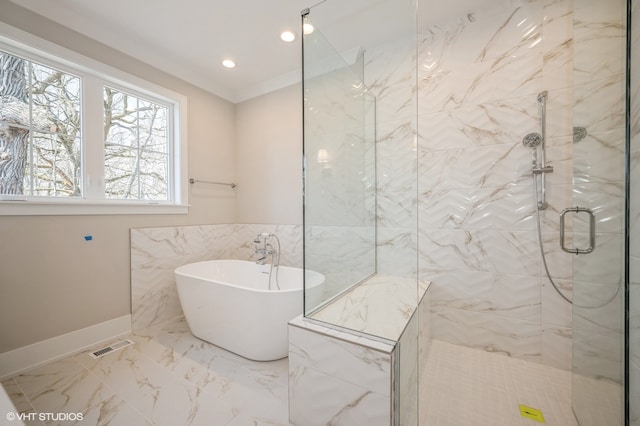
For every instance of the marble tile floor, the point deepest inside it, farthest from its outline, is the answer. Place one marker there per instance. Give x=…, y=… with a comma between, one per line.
x=169, y=377
x=464, y=386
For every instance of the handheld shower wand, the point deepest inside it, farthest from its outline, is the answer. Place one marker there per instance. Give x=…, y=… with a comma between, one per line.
x=533, y=140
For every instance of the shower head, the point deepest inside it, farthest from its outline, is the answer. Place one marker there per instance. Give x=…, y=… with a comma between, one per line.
x=532, y=140
x=542, y=96
x=579, y=133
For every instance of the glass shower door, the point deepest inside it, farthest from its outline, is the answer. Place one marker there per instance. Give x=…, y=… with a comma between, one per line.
x=599, y=186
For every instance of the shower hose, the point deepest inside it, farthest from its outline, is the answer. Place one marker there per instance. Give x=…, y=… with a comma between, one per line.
x=544, y=258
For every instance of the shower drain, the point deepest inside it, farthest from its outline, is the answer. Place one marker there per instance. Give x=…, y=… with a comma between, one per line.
x=111, y=348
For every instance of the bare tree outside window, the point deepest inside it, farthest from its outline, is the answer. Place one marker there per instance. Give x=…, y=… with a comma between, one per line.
x=55, y=164
x=136, y=147
x=13, y=97
x=39, y=129
x=41, y=136
x=17, y=118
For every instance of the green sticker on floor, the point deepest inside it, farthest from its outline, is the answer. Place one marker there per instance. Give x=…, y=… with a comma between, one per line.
x=531, y=413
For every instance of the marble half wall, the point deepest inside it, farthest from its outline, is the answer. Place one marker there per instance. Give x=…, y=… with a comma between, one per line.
x=336, y=377
x=156, y=252
x=339, y=376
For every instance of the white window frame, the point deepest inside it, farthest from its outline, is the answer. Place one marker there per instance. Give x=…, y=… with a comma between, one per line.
x=95, y=75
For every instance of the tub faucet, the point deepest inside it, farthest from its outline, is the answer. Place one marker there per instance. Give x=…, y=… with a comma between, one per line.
x=264, y=248
x=263, y=252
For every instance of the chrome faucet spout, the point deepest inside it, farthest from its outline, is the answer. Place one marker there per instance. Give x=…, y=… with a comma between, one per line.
x=263, y=248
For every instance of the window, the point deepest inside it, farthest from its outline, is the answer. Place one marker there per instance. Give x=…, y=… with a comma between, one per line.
x=136, y=149
x=77, y=137
x=40, y=115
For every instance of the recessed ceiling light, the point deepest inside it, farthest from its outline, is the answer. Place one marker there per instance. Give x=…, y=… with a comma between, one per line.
x=288, y=36
x=229, y=63
x=307, y=28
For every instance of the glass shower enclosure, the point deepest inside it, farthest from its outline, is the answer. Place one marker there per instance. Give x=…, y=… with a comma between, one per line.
x=599, y=153
x=360, y=180
x=339, y=179
x=360, y=210
x=452, y=203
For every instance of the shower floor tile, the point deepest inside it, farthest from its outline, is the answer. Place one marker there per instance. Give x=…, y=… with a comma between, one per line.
x=464, y=386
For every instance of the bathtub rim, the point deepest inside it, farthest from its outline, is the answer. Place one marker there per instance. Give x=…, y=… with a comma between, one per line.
x=179, y=272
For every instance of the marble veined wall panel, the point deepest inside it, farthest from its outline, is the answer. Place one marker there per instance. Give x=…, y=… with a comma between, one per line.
x=598, y=162
x=409, y=366
x=342, y=254
x=479, y=77
x=339, y=178
x=156, y=252
x=390, y=73
x=344, y=377
x=337, y=378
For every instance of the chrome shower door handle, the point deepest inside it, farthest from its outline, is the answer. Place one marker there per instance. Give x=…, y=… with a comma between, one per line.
x=592, y=230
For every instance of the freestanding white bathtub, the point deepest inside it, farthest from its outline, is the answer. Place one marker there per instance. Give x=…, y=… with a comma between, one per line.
x=228, y=303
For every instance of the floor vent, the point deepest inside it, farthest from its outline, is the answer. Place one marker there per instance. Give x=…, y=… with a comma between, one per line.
x=111, y=348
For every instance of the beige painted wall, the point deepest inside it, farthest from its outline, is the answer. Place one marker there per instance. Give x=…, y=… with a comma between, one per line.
x=269, y=153
x=51, y=280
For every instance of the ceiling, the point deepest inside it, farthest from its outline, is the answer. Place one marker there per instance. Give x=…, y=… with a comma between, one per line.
x=189, y=38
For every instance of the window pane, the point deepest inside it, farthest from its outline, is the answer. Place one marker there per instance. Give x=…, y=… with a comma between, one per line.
x=59, y=94
x=53, y=168
x=39, y=129
x=153, y=175
x=136, y=147
x=120, y=172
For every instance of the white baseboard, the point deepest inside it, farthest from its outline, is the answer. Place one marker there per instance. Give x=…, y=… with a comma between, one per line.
x=24, y=358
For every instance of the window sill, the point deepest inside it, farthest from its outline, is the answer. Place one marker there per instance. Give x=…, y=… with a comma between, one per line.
x=56, y=208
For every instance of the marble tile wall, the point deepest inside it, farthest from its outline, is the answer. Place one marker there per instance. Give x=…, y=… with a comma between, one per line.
x=424, y=350
x=339, y=180
x=339, y=172
x=598, y=163
x=338, y=378
x=409, y=367
x=599, y=106
x=344, y=254
x=479, y=77
x=156, y=252
x=390, y=74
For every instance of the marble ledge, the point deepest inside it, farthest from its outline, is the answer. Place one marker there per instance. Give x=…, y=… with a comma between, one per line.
x=379, y=307
x=340, y=333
